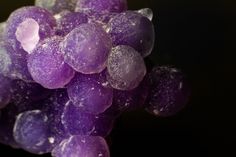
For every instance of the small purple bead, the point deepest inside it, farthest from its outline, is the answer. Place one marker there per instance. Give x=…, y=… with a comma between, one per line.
x=77, y=122
x=47, y=67
x=87, y=93
x=169, y=91
x=86, y=48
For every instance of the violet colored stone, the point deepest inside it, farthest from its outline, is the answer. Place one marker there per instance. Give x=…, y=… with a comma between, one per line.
x=126, y=68
x=86, y=92
x=77, y=122
x=169, y=91
x=86, y=48
x=31, y=132
x=70, y=21
x=82, y=146
x=105, y=6
x=5, y=94
x=34, y=19
x=56, y=6
x=132, y=29
x=47, y=67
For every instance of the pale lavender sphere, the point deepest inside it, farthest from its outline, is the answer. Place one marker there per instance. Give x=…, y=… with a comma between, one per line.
x=47, y=67
x=86, y=92
x=169, y=91
x=27, y=26
x=102, y=5
x=70, y=21
x=5, y=94
x=132, y=29
x=31, y=132
x=86, y=48
x=13, y=65
x=82, y=146
x=56, y=6
x=126, y=68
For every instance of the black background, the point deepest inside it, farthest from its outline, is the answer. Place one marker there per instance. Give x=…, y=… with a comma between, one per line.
x=198, y=37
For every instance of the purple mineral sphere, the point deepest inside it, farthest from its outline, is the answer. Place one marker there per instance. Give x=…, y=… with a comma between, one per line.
x=82, y=146
x=133, y=29
x=86, y=48
x=77, y=122
x=102, y=5
x=86, y=92
x=47, y=67
x=31, y=132
x=169, y=91
x=126, y=68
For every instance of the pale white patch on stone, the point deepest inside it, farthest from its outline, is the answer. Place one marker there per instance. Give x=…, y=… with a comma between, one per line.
x=27, y=34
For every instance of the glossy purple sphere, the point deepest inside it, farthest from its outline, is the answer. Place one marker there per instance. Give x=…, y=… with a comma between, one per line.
x=47, y=67
x=86, y=48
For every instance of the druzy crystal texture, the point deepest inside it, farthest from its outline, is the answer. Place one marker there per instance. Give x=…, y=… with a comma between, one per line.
x=70, y=68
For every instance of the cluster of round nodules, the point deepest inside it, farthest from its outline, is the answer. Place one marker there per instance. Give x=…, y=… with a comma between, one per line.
x=69, y=68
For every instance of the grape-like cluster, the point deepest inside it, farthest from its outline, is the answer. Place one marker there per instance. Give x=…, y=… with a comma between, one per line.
x=69, y=68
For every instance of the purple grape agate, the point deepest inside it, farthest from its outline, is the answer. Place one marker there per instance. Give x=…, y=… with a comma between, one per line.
x=69, y=68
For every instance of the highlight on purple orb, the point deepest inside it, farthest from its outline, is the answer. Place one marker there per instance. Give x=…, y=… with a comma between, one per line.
x=70, y=68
